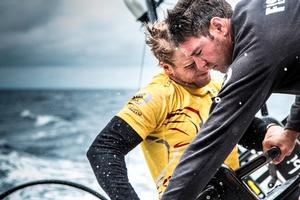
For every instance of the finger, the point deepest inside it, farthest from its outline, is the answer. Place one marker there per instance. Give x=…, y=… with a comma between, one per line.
x=266, y=146
x=276, y=160
x=279, y=158
x=290, y=150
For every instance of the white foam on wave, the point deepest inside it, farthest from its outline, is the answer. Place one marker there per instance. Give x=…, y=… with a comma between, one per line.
x=27, y=114
x=139, y=175
x=42, y=120
x=28, y=166
x=40, y=135
x=23, y=168
x=53, y=193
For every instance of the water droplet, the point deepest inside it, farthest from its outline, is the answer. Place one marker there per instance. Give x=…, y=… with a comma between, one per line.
x=245, y=54
x=285, y=69
x=297, y=57
x=240, y=103
x=217, y=99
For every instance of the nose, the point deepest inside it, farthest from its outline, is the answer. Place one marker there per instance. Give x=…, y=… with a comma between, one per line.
x=200, y=63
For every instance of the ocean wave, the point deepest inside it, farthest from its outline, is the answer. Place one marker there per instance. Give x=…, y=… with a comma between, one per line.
x=27, y=114
x=40, y=120
x=45, y=135
x=21, y=167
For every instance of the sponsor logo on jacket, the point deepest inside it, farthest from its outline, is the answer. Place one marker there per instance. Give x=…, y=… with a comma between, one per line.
x=141, y=98
x=274, y=6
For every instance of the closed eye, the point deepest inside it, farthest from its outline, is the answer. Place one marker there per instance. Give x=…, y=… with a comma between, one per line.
x=192, y=65
x=198, y=53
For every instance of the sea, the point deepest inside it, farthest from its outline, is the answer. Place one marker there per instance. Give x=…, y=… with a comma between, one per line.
x=44, y=134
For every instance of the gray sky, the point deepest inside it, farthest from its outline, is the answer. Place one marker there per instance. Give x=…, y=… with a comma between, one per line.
x=73, y=44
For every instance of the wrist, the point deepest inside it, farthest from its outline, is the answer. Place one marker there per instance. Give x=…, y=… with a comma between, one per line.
x=291, y=133
x=270, y=125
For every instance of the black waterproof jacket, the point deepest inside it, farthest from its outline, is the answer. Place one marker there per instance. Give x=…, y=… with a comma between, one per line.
x=266, y=59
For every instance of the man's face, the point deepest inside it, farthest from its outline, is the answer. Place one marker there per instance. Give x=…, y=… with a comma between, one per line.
x=211, y=53
x=187, y=73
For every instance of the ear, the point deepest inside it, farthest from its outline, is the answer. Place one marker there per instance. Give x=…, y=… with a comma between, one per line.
x=167, y=68
x=219, y=26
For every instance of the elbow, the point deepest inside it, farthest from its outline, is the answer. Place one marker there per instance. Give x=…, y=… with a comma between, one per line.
x=91, y=153
x=95, y=157
x=95, y=148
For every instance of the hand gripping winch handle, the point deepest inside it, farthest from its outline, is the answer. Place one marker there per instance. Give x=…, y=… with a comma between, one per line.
x=257, y=162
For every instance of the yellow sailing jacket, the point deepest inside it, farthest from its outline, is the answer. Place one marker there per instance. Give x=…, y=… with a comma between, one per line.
x=168, y=116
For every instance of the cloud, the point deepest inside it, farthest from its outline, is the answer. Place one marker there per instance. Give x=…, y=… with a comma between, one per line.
x=62, y=32
x=19, y=16
x=48, y=43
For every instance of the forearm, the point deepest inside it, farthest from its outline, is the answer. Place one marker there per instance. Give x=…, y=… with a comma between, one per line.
x=255, y=134
x=107, y=158
x=293, y=135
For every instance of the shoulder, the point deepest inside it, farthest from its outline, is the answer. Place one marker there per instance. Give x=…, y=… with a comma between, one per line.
x=161, y=86
x=154, y=94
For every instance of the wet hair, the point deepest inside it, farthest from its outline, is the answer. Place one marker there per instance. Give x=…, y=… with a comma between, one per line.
x=159, y=41
x=192, y=17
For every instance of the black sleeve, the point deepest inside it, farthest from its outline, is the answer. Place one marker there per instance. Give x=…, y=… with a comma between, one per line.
x=255, y=134
x=107, y=158
x=293, y=121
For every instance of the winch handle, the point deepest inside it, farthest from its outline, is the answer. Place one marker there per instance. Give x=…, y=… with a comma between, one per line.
x=258, y=162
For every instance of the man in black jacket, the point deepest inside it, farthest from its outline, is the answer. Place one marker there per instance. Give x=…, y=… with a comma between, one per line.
x=258, y=46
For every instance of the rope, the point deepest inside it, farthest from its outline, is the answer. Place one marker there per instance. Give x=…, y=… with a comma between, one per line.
x=60, y=182
x=142, y=66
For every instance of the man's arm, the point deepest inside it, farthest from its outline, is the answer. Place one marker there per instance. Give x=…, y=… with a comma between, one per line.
x=256, y=132
x=285, y=139
x=107, y=158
